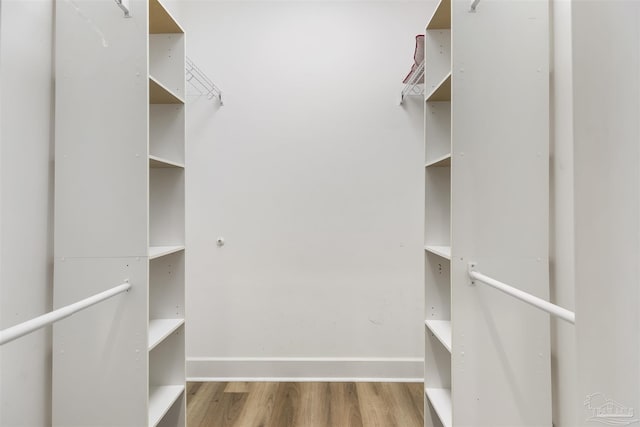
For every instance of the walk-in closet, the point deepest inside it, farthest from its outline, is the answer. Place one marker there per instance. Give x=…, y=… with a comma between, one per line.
x=319, y=213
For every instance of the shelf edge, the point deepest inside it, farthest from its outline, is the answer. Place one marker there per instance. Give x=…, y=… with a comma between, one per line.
x=443, y=254
x=164, y=252
x=168, y=163
x=442, y=159
x=445, y=341
x=176, y=390
x=440, y=85
x=440, y=406
x=168, y=331
x=169, y=92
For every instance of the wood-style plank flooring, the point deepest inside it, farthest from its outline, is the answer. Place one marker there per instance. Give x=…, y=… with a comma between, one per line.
x=307, y=404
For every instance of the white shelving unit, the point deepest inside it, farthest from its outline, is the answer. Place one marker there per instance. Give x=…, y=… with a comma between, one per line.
x=486, y=201
x=120, y=140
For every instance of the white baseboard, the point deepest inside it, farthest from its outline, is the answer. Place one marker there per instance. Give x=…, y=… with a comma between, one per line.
x=299, y=369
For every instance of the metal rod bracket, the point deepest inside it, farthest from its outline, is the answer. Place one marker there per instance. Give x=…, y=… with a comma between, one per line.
x=471, y=267
x=124, y=5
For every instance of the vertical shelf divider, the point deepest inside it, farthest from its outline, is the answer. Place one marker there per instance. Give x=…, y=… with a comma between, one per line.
x=166, y=191
x=438, y=248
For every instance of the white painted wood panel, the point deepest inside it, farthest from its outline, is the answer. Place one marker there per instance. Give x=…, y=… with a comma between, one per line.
x=161, y=94
x=101, y=133
x=161, y=399
x=166, y=207
x=176, y=415
x=99, y=354
x=119, y=204
x=160, y=251
x=431, y=418
x=437, y=45
x=437, y=368
x=159, y=329
x=438, y=206
x=437, y=288
x=437, y=131
x=159, y=162
x=500, y=113
x=440, y=399
x=167, y=361
x=166, y=286
x=441, y=251
x=167, y=131
x=441, y=92
x=442, y=330
x=166, y=61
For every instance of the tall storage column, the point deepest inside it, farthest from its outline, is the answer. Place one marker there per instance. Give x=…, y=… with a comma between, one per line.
x=487, y=356
x=119, y=215
x=167, y=402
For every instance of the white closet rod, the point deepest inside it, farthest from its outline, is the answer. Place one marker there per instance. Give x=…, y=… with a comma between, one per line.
x=24, y=328
x=554, y=310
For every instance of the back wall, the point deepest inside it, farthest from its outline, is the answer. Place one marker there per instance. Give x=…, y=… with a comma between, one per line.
x=312, y=174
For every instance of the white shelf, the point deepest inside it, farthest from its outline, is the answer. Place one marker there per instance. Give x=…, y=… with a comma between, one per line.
x=442, y=330
x=158, y=251
x=159, y=162
x=440, y=161
x=442, y=251
x=440, y=399
x=161, y=21
x=160, y=401
x=160, y=94
x=442, y=92
x=159, y=329
x=441, y=18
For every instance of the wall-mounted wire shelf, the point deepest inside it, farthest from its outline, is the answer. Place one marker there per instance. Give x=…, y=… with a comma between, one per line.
x=200, y=82
x=415, y=83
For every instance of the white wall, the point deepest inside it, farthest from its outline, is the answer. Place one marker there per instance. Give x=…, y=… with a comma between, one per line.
x=312, y=174
x=26, y=170
x=606, y=83
x=561, y=239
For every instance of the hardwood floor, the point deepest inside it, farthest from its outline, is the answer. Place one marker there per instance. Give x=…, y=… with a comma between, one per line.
x=307, y=404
